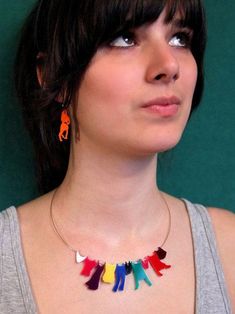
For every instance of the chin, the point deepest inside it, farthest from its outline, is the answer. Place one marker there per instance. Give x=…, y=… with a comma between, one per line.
x=161, y=143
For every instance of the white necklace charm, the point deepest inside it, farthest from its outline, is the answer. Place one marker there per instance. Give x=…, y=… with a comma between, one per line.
x=79, y=257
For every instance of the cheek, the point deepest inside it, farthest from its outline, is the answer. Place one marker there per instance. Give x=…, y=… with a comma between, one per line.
x=109, y=80
x=105, y=91
x=190, y=77
x=102, y=99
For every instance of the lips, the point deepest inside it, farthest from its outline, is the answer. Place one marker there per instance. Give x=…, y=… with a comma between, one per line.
x=163, y=106
x=163, y=101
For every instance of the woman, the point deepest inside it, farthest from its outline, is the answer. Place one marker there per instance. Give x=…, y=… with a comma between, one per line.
x=123, y=76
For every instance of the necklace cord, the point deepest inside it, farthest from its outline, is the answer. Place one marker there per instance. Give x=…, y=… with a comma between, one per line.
x=55, y=226
x=58, y=233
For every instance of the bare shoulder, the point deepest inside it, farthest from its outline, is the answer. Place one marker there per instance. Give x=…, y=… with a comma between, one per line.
x=224, y=225
x=33, y=213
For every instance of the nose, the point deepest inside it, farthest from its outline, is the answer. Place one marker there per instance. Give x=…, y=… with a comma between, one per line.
x=163, y=65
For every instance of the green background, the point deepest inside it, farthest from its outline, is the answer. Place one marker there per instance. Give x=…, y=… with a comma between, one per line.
x=201, y=168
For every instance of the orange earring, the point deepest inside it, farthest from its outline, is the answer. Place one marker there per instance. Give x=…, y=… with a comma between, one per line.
x=64, y=127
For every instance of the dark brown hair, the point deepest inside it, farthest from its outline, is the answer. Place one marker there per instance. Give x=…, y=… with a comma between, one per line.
x=61, y=37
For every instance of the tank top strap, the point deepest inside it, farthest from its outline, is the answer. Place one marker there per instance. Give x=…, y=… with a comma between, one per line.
x=211, y=292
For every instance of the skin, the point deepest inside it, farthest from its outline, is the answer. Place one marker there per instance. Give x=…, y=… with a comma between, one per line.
x=109, y=200
x=122, y=78
x=117, y=137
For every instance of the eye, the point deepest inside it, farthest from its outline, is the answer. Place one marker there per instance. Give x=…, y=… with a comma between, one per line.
x=181, y=39
x=124, y=41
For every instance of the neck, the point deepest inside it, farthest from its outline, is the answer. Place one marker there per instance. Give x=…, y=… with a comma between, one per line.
x=114, y=196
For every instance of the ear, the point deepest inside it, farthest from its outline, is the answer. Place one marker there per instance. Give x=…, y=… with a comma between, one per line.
x=40, y=69
x=40, y=61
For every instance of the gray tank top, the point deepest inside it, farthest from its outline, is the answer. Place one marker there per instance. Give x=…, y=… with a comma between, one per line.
x=16, y=295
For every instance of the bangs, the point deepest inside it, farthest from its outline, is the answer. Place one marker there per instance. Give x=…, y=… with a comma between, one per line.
x=113, y=17
x=190, y=12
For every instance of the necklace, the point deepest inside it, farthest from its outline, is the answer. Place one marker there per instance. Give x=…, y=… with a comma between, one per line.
x=98, y=271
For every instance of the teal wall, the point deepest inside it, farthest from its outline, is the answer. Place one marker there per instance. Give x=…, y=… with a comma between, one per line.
x=17, y=183
x=201, y=168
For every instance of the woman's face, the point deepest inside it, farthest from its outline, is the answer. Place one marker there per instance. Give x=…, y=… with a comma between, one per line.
x=136, y=94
